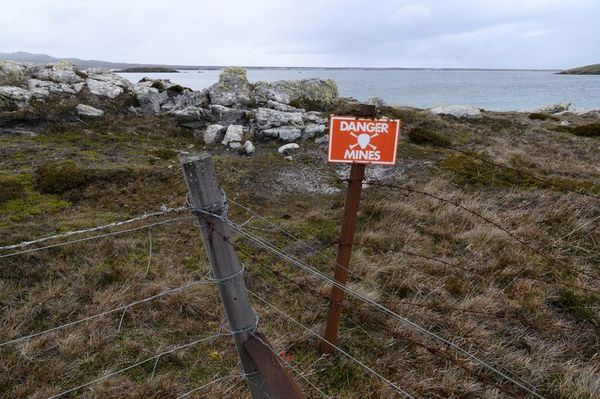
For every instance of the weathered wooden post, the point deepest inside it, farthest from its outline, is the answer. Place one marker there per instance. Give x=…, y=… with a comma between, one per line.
x=358, y=141
x=266, y=376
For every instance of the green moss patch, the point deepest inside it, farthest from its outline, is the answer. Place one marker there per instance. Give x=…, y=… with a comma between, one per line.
x=423, y=135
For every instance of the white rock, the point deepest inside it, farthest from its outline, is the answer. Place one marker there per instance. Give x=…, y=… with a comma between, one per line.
x=188, y=114
x=458, y=111
x=284, y=133
x=214, y=134
x=554, y=108
x=227, y=116
x=110, y=77
x=248, y=147
x=376, y=101
x=266, y=118
x=286, y=148
x=234, y=144
x=312, y=130
x=61, y=72
x=565, y=123
x=43, y=88
x=103, y=88
x=150, y=98
x=89, y=111
x=314, y=117
x=233, y=133
x=15, y=94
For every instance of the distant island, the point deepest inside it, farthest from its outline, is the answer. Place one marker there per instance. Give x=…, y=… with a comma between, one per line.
x=149, y=69
x=584, y=70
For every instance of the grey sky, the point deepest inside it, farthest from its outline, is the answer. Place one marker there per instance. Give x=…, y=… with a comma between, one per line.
x=384, y=33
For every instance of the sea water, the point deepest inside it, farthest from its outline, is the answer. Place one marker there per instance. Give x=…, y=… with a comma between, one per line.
x=489, y=89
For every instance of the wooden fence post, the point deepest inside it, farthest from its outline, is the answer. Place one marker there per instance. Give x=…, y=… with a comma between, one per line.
x=210, y=206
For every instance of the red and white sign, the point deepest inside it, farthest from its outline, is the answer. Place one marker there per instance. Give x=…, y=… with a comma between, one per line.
x=361, y=140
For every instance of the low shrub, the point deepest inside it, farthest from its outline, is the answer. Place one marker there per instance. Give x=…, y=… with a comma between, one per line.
x=59, y=177
x=538, y=116
x=10, y=189
x=591, y=130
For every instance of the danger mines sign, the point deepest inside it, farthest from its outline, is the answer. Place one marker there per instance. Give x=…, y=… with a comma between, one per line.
x=356, y=140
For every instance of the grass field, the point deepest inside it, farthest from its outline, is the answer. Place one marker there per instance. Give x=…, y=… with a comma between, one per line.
x=524, y=297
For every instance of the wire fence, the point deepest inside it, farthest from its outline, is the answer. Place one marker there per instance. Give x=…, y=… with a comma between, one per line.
x=244, y=231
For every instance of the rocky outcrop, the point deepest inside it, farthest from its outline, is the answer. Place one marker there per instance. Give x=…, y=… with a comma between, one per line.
x=310, y=94
x=284, y=110
x=458, y=111
x=232, y=90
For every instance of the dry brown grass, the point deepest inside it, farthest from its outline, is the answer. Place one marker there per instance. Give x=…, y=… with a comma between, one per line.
x=536, y=316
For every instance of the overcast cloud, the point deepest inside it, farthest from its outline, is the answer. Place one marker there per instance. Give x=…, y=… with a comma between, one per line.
x=384, y=33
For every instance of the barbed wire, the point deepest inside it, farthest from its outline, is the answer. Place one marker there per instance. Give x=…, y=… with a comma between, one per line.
x=372, y=285
x=271, y=248
x=145, y=216
x=434, y=351
x=107, y=312
x=157, y=356
x=348, y=355
x=96, y=237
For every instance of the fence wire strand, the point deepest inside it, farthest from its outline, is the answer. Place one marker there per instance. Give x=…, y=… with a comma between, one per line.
x=408, y=323
x=97, y=228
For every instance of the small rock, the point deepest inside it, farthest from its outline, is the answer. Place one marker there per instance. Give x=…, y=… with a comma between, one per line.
x=554, y=108
x=284, y=133
x=234, y=144
x=214, y=134
x=248, y=147
x=565, y=123
x=458, y=111
x=289, y=158
x=233, y=133
x=322, y=139
x=89, y=111
x=286, y=148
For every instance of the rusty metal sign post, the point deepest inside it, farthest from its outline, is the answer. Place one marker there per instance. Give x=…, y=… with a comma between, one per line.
x=358, y=140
